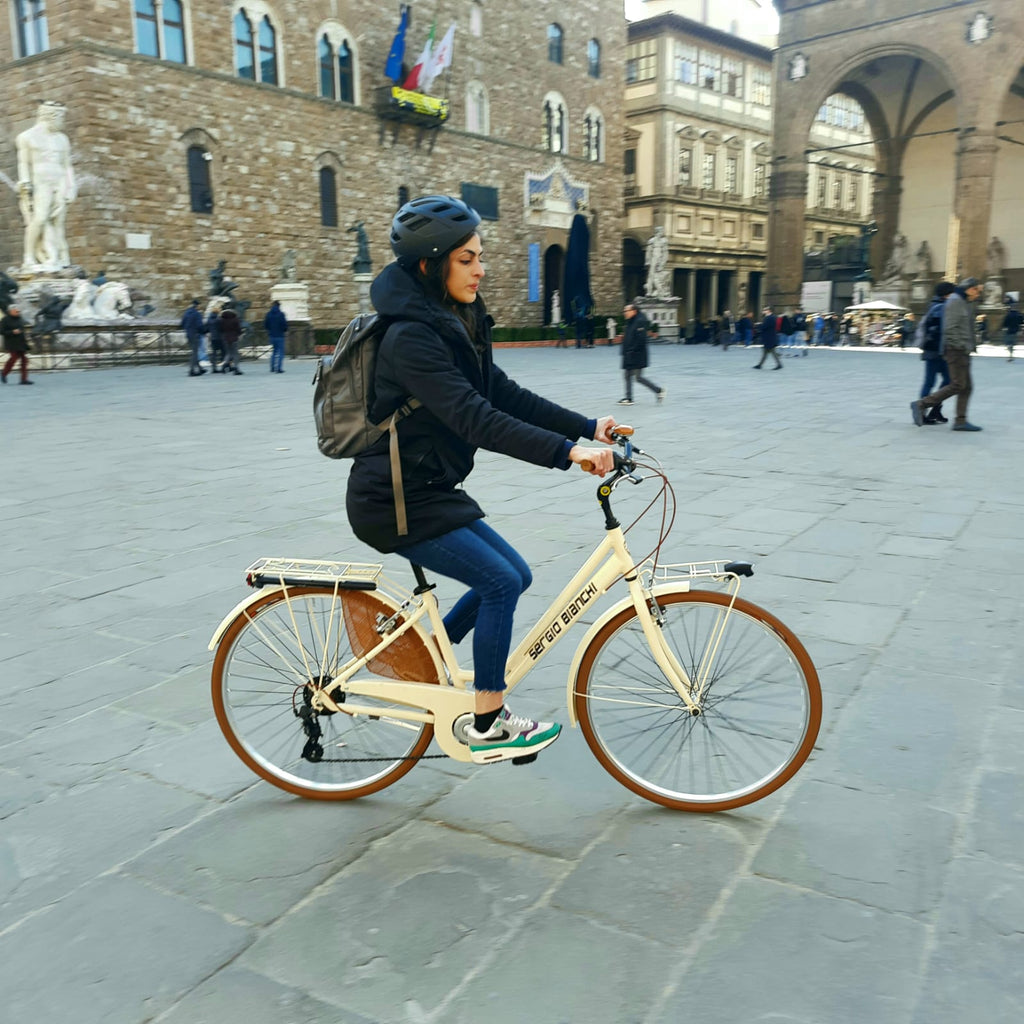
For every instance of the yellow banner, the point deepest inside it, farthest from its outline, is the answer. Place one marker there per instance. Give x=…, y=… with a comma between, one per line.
x=421, y=103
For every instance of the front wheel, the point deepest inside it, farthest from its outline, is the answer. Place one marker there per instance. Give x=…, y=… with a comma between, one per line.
x=758, y=711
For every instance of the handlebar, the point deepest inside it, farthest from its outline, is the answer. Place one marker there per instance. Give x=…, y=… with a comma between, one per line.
x=621, y=436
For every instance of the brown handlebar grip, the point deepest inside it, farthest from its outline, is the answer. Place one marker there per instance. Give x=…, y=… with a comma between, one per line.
x=587, y=466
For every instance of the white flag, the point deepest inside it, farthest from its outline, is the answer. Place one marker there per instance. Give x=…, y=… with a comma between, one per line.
x=440, y=58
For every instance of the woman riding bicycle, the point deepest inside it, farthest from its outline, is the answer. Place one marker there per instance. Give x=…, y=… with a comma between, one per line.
x=438, y=351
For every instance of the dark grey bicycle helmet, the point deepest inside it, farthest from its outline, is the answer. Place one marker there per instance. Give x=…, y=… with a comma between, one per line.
x=430, y=225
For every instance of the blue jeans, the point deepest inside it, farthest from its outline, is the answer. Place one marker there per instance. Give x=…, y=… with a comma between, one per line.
x=932, y=369
x=277, y=355
x=496, y=575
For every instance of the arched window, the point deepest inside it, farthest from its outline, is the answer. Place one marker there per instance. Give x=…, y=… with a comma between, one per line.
x=256, y=45
x=33, y=37
x=325, y=55
x=555, y=37
x=554, y=124
x=593, y=136
x=477, y=109
x=346, y=92
x=245, y=51
x=268, y=52
x=594, y=58
x=476, y=19
x=336, y=61
x=328, y=197
x=200, y=186
x=160, y=29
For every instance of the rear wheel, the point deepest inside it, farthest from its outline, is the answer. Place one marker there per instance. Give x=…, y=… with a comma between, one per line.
x=758, y=716
x=268, y=665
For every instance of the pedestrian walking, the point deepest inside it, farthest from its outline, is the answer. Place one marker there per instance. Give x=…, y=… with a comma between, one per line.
x=634, y=354
x=957, y=344
x=15, y=334
x=800, y=330
x=929, y=340
x=819, y=329
x=230, y=332
x=906, y=329
x=276, y=324
x=769, y=339
x=194, y=328
x=745, y=328
x=437, y=349
x=1011, y=328
x=216, y=340
x=726, y=330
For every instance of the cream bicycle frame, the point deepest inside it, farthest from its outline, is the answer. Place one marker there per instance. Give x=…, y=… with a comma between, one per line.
x=444, y=703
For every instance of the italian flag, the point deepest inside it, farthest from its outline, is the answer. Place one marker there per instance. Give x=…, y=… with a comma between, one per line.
x=412, y=83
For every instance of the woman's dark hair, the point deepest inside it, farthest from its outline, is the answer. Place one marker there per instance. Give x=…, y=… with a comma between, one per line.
x=434, y=275
x=944, y=288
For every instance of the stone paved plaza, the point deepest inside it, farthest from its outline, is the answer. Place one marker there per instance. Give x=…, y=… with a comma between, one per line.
x=146, y=875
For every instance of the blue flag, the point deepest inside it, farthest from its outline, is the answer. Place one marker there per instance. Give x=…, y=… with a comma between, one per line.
x=393, y=68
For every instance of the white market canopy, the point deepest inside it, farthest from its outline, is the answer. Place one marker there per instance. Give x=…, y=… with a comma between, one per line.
x=878, y=306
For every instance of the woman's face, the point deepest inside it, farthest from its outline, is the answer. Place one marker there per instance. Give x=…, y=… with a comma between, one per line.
x=465, y=271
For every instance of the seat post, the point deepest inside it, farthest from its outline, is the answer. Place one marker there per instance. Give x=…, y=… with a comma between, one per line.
x=422, y=586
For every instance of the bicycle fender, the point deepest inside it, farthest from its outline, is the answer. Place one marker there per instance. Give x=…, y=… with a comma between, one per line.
x=256, y=595
x=577, y=658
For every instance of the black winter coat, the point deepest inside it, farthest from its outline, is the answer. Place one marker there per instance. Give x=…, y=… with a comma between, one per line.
x=467, y=403
x=634, y=342
x=15, y=333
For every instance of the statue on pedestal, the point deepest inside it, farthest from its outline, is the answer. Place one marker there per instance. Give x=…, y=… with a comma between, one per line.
x=658, y=284
x=361, y=264
x=924, y=260
x=288, y=268
x=896, y=266
x=46, y=186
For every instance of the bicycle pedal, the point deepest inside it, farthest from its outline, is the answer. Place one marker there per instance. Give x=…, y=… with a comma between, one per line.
x=525, y=759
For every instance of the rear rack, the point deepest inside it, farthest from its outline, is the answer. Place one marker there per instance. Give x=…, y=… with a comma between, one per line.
x=720, y=570
x=313, y=572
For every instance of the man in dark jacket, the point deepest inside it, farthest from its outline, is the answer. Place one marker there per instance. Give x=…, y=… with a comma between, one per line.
x=1011, y=327
x=194, y=328
x=957, y=344
x=769, y=339
x=15, y=334
x=634, y=354
x=276, y=324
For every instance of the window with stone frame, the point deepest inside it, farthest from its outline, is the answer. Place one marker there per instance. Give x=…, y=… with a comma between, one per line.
x=328, y=197
x=710, y=70
x=556, y=39
x=477, y=109
x=160, y=30
x=336, y=63
x=554, y=124
x=594, y=58
x=852, y=191
x=686, y=166
x=685, y=61
x=200, y=184
x=761, y=87
x=837, y=192
x=476, y=19
x=629, y=163
x=30, y=24
x=709, y=171
x=760, y=181
x=642, y=61
x=822, y=192
x=732, y=174
x=593, y=137
x=732, y=77
x=256, y=41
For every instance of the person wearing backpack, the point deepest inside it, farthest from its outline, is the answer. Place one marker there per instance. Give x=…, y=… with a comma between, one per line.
x=929, y=341
x=1011, y=327
x=437, y=352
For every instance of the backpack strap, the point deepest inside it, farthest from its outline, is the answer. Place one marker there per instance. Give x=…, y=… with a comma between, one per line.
x=391, y=426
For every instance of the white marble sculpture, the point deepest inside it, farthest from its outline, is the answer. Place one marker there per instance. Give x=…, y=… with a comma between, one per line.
x=108, y=303
x=658, y=284
x=46, y=186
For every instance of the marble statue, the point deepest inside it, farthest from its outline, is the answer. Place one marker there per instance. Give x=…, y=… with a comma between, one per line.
x=896, y=266
x=361, y=264
x=556, y=307
x=81, y=309
x=288, y=268
x=658, y=284
x=217, y=278
x=90, y=305
x=995, y=258
x=924, y=260
x=46, y=186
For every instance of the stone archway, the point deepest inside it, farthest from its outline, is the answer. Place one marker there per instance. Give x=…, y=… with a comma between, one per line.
x=934, y=108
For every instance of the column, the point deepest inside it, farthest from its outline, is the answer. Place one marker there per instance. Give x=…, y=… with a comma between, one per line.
x=713, y=294
x=975, y=175
x=786, y=237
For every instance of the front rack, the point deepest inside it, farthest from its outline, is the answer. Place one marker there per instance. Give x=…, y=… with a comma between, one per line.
x=313, y=572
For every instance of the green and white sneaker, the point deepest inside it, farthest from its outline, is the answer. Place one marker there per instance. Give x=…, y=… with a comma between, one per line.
x=510, y=736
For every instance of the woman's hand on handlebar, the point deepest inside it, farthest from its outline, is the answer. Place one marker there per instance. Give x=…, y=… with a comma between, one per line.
x=596, y=461
x=605, y=426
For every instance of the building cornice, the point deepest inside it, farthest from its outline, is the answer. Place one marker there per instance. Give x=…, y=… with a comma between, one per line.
x=664, y=24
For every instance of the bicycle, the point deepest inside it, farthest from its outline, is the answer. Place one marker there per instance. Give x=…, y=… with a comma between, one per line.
x=331, y=681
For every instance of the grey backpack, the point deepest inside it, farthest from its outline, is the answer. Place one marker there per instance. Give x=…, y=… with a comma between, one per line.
x=342, y=384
